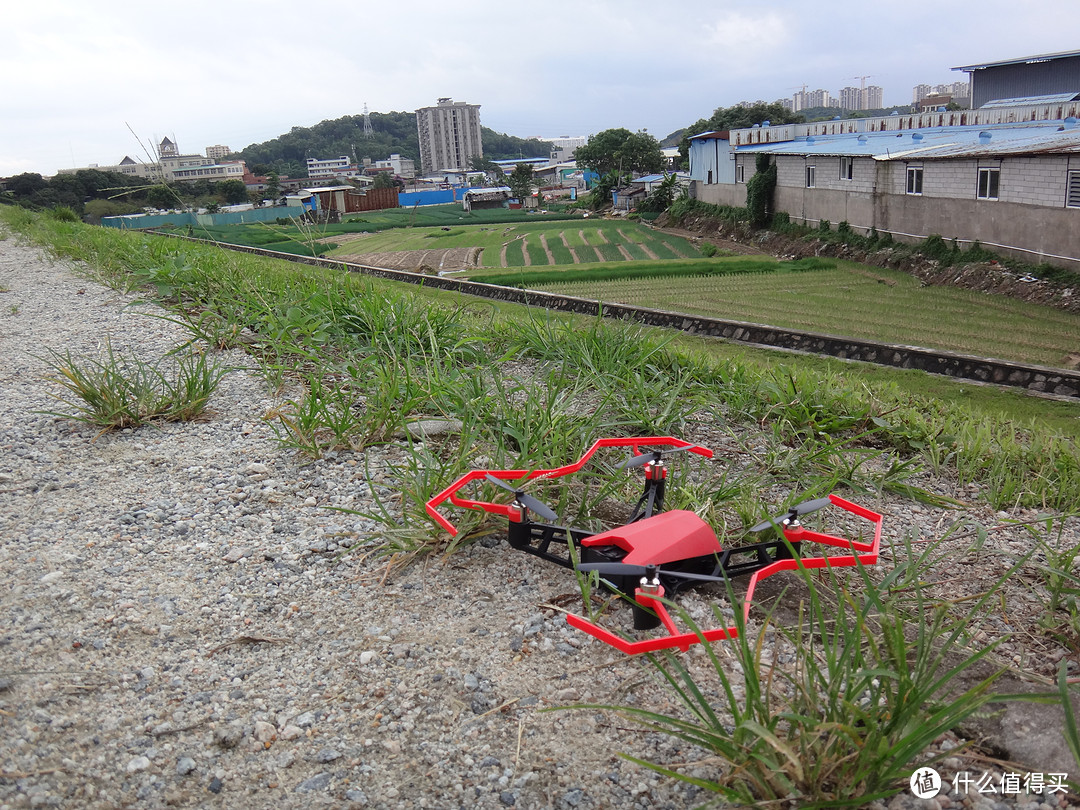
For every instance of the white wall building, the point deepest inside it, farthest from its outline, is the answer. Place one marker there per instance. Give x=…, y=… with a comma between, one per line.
x=331, y=168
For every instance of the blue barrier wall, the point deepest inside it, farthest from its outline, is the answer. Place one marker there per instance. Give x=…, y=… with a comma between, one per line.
x=408, y=199
x=185, y=218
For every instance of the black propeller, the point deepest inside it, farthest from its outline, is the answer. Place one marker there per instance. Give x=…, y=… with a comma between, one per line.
x=793, y=514
x=525, y=499
x=615, y=569
x=654, y=456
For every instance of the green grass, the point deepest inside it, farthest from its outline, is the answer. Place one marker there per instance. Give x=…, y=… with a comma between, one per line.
x=515, y=254
x=537, y=254
x=123, y=391
x=592, y=275
x=875, y=304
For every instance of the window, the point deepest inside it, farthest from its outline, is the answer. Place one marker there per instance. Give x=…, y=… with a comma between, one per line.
x=989, y=181
x=846, y=168
x=739, y=173
x=914, y=179
x=1072, y=191
x=811, y=180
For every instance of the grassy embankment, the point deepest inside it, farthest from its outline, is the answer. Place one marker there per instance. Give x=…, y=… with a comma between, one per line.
x=864, y=696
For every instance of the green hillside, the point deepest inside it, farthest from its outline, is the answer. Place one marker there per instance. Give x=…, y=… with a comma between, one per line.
x=392, y=133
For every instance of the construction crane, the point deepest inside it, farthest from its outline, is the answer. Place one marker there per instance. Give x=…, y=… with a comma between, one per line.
x=862, y=81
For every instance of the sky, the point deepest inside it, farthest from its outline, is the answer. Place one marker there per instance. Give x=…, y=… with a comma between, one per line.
x=89, y=82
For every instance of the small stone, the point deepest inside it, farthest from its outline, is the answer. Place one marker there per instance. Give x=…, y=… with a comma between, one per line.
x=236, y=554
x=318, y=782
x=328, y=755
x=508, y=798
x=51, y=577
x=291, y=732
x=264, y=732
x=185, y=765
x=138, y=764
x=367, y=656
x=305, y=720
x=570, y=693
x=215, y=785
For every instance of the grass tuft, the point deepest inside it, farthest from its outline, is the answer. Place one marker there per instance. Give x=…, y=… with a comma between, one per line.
x=123, y=391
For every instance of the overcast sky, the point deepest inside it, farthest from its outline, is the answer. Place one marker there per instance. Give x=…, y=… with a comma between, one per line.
x=88, y=82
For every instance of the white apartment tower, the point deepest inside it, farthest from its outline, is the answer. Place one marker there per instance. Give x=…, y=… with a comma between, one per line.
x=449, y=135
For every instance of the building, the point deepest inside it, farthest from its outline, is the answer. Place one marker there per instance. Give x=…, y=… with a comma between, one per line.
x=1024, y=77
x=173, y=166
x=851, y=98
x=563, y=147
x=449, y=135
x=218, y=152
x=1008, y=177
x=333, y=201
x=331, y=168
x=404, y=168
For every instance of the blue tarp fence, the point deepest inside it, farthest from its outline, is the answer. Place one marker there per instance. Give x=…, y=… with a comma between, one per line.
x=182, y=218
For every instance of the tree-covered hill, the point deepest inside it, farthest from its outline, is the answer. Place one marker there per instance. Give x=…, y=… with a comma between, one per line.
x=392, y=133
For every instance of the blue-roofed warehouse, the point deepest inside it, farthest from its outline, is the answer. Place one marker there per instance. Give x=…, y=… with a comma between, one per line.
x=1003, y=179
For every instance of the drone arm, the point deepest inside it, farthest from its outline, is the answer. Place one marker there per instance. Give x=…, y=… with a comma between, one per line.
x=450, y=493
x=682, y=641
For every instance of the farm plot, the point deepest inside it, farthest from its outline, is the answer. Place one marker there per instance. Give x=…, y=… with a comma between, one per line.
x=500, y=245
x=883, y=305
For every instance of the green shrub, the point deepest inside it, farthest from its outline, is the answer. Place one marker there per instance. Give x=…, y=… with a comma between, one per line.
x=759, y=192
x=708, y=249
x=62, y=213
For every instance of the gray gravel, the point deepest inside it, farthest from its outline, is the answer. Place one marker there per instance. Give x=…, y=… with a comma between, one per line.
x=177, y=629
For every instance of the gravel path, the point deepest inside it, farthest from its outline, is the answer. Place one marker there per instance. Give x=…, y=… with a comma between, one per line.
x=177, y=629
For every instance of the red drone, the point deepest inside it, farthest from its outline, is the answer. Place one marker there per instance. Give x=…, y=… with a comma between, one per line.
x=655, y=552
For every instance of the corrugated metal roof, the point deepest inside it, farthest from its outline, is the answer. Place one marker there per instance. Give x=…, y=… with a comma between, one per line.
x=936, y=142
x=1021, y=60
x=1056, y=98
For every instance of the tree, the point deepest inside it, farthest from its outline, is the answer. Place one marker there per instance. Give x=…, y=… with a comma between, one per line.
x=273, y=185
x=759, y=191
x=161, y=196
x=234, y=191
x=521, y=180
x=620, y=150
x=385, y=180
x=600, y=195
x=24, y=185
x=662, y=196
